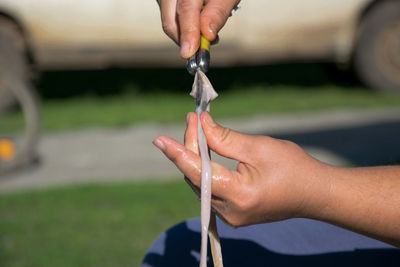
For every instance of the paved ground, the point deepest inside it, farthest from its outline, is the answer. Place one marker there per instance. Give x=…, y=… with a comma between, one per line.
x=341, y=137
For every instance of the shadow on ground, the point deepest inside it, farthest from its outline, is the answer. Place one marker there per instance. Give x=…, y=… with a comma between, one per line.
x=180, y=246
x=368, y=145
x=61, y=84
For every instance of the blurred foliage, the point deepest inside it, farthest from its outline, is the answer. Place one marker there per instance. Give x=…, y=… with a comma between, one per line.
x=90, y=225
x=66, y=84
x=127, y=109
x=115, y=97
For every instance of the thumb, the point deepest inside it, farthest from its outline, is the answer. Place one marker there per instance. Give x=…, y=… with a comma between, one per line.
x=214, y=17
x=226, y=142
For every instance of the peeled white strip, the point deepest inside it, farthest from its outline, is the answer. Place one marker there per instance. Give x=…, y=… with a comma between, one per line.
x=205, y=193
x=215, y=242
x=209, y=94
x=207, y=87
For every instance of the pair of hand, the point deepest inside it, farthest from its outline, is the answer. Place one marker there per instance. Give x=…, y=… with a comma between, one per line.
x=274, y=180
x=184, y=20
x=265, y=186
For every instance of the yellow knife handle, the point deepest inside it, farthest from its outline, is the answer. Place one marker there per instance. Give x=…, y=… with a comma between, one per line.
x=203, y=57
x=204, y=44
x=200, y=60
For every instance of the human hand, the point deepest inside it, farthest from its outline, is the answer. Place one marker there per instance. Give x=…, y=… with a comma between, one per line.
x=184, y=20
x=274, y=180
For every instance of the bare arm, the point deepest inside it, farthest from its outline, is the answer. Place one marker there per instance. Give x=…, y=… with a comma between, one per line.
x=277, y=180
x=184, y=20
x=365, y=200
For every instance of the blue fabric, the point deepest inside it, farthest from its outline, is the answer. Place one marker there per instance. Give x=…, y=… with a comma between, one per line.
x=296, y=242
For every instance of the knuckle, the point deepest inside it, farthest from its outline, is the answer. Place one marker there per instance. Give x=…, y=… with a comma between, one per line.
x=225, y=137
x=244, y=204
x=190, y=30
x=183, y=7
x=177, y=156
x=235, y=221
x=288, y=143
x=291, y=146
x=220, y=12
x=168, y=28
x=174, y=157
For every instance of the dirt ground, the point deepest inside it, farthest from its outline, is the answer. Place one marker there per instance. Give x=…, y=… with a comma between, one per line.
x=339, y=137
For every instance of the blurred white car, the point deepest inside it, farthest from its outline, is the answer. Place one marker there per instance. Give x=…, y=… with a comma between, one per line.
x=65, y=34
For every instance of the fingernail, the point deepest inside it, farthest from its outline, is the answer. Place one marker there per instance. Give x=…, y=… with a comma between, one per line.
x=187, y=118
x=158, y=143
x=185, y=47
x=213, y=28
x=208, y=119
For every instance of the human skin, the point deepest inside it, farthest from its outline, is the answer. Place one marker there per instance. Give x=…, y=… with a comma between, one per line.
x=277, y=180
x=184, y=20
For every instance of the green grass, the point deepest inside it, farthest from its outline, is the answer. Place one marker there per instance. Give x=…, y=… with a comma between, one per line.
x=118, y=98
x=127, y=109
x=98, y=225
x=130, y=109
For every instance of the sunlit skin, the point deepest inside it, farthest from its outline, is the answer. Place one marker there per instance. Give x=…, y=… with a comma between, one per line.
x=184, y=20
x=277, y=180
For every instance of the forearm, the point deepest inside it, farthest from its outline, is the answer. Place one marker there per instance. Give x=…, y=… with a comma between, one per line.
x=365, y=200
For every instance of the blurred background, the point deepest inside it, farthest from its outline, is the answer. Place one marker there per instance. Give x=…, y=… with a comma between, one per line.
x=85, y=86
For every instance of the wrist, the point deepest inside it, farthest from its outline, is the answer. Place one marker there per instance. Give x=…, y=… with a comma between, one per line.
x=317, y=191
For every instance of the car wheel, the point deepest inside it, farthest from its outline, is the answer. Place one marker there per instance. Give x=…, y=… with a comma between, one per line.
x=19, y=114
x=13, y=63
x=377, y=53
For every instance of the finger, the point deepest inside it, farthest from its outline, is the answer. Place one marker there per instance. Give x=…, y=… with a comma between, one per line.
x=189, y=25
x=214, y=17
x=187, y=161
x=226, y=142
x=219, y=208
x=169, y=19
x=216, y=41
x=191, y=141
x=197, y=191
x=190, y=165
